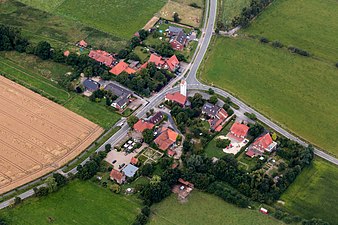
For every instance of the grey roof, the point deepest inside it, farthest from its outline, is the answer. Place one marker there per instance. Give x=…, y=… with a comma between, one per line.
x=210, y=109
x=122, y=100
x=175, y=30
x=181, y=38
x=117, y=90
x=130, y=170
x=156, y=118
x=91, y=85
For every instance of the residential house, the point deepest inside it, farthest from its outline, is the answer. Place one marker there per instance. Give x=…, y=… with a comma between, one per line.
x=239, y=131
x=216, y=123
x=123, y=95
x=179, y=42
x=166, y=138
x=130, y=170
x=261, y=145
x=91, y=85
x=117, y=176
x=66, y=53
x=210, y=109
x=82, y=43
x=174, y=31
x=142, y=125
x=120, y=67
x=171, y=63
x=134, y=161
x=102, y=57
x=176, y=97
x=158, y=117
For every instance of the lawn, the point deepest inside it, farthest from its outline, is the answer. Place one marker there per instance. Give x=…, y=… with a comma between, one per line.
x=77, y=203
x=308, y=24
x=37, y=75
x=229, y=9
x=287, y=88
x=119, y=18
x=315, y=192
x=203, y=208
x=62, y=32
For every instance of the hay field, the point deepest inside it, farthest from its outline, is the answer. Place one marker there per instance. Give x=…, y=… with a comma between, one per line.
x=37, y=135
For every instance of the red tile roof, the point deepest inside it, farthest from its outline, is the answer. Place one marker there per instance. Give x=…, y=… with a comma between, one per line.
x=157, y=60
x=250, y=153
x=141, y=125
x=83, y=43
x=239, y=130
x=172, y=62
x=263, y=142
x=130, y=70
x=119, y=68
x=117, y=175
x=134, y=161
x=102, y=57
x=186, y=183
x=176, y=97
x=166, y=138
x=66, y=53
x=171, y=152
x=144, y=65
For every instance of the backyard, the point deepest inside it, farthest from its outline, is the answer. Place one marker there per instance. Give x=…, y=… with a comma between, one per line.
x=284, y=86
x=213, y=211
x=315, y=192
x=78, y=202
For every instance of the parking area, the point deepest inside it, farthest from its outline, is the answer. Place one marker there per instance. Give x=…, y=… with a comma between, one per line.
x=235, y=145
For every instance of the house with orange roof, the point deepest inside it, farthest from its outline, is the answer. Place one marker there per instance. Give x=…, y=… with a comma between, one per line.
x=157, y=60
x=172, y=63
x=119, y=68
x=176, y=97
x=261, y=145
x=134, y=161
x=166, y=138
x=66, y=53
x=239, y=131
x=117, y=176
x=102, y=57
x=83, y=44
x=142, y=125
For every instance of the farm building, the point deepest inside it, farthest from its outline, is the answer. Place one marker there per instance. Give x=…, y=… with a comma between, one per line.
x=102, y=57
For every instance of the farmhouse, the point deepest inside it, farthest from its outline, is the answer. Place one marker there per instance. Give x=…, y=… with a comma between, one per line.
x=239, y=131
x=142, y=125
x=171, y=63
x=117, y=176
x=166, y=138
x=102, y=57
x=91, y=85
x=123, y=95
x=179, y=42
x=261, y=145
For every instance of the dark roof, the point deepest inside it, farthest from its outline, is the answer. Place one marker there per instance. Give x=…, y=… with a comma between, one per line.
x=210, y=109
x=117, y=90
x=156, y=118
x=91, y=85
x=122, y=100
x=175, y=30
x=181, y=38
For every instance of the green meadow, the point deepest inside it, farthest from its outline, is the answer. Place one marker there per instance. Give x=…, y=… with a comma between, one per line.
x=300, y=93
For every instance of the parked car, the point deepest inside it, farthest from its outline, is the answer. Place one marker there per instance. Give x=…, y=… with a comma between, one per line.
x=114, y=161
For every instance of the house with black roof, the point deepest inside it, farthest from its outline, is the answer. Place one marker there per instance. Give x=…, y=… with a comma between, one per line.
x=91, y=85
x=123, y=94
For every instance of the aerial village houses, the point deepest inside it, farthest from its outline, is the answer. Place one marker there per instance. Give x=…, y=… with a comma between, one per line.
x=261, y=145
x=158, y=117
x=171, y=63
x=142, y=125
x=117, y=176
x=179, y=97
x=91, y=85
x=217, y=114
x=166, y=139
x=82, y=44
x=238, y=131
x=122, y=67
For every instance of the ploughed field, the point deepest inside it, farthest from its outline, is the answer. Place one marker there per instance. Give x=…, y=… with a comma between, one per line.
x=37, y=135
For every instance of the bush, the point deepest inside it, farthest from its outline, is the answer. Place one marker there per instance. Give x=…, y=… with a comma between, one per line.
x=277, y=44
x=298, y=51
x=264, y=40
x=194, y=5
x=337, y=64
x=146, y=210
x=222, y=143
x=17, y=200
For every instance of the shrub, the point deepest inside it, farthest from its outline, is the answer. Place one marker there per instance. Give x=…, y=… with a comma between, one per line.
x=222, y=143
x=277, y=44
x=264, y=40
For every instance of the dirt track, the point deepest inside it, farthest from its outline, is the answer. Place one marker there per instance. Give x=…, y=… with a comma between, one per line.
x=37, y=135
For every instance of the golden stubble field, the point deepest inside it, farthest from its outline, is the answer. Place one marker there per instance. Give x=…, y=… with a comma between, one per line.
x=37, y=136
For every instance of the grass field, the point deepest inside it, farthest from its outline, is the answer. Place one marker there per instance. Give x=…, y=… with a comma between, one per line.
x=60, y=31
x=308, y=24
x=77, y=203
x=286, y=87
x=229, y=9
x=203, y=208
x=119, y=18
x=315, y=192
x=36, y=74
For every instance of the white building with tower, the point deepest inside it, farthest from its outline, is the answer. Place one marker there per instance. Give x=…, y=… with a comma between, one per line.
x=179, y=97
x=183, y=87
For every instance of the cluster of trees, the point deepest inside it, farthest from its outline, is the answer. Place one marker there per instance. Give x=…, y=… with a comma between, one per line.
x=143, y=217
x=99, y=94
x=288, y=218
x=90, y=168
x=53, y=183
x=226, y=106
x=222, y=143
x=149, y=79
x=11, y=39
x=248, y=13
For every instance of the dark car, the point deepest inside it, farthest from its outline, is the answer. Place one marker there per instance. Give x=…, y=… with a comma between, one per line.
x=114, y=161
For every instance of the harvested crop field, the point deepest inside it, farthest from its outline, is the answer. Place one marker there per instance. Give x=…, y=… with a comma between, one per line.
x=37, y=135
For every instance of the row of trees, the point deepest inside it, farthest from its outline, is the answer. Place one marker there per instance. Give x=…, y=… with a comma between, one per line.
x=90, y=168
x=248, y=13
